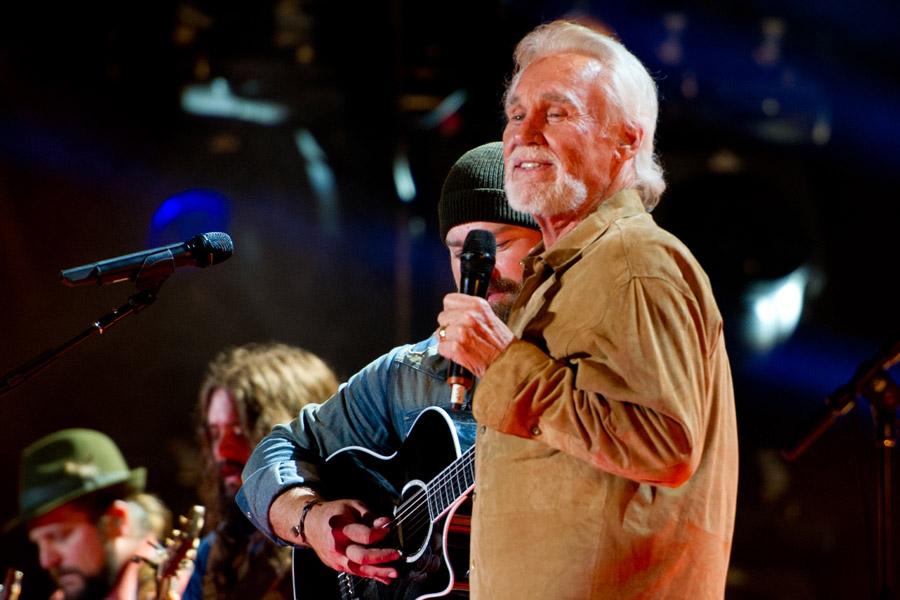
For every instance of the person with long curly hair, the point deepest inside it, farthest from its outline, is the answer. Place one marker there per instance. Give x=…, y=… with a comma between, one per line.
x=245, y=392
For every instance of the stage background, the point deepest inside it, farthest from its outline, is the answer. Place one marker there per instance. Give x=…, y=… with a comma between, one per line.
x=778, y=133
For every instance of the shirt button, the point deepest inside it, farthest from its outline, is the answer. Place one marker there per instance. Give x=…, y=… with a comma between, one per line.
x=483, y=428
x=535, y=430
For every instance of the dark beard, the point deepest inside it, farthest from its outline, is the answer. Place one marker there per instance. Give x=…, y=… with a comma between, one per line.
x=95, y=588
x=228, y=509
x=504, y=286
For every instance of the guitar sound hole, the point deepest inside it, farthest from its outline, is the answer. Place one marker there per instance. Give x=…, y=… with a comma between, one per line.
x=415, y=533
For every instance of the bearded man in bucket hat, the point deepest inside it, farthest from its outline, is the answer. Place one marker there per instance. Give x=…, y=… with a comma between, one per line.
x=376, y=408
x=88, y=515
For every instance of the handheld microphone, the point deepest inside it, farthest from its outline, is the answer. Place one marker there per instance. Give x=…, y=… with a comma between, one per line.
x=475, y=268
x=153, y=265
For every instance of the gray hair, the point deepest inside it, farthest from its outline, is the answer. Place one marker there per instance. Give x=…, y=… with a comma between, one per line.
x=627, y=86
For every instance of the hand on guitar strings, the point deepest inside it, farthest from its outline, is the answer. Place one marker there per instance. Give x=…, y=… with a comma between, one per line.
x=345, y=535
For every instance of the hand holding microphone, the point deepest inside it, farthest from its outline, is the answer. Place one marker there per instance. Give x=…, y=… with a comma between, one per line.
x=478, y=334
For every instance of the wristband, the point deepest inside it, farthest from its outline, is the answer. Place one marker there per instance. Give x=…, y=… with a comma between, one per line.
x=299, y=530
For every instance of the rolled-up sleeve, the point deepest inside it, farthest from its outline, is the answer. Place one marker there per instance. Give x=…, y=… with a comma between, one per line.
x=360, y=413
x=274, y=467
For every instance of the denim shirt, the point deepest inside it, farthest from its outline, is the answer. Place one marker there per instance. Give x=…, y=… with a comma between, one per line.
x=374, y=409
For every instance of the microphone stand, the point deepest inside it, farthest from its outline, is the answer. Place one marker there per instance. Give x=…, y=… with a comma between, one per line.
x=149, y=289
x=873, y=383
x=884, y=397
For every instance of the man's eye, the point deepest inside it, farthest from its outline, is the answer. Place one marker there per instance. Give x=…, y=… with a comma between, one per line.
x=57, y=537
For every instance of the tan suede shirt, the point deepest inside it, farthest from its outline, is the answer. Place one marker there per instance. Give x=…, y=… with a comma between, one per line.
x=606, y=458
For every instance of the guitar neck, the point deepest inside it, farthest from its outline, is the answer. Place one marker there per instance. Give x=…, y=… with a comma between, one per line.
x=180, y=551
x=12, y=585
x=451, y=484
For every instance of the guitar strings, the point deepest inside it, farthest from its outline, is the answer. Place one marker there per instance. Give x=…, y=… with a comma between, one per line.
x=413, y=506
x=451, y=474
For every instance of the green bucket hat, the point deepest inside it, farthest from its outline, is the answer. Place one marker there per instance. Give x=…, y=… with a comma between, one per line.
x=68, y=464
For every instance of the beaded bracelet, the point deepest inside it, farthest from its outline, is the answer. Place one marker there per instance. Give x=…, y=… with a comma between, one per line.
x=299, y=530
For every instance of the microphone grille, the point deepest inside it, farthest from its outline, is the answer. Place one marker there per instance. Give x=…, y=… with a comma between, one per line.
x=216, y=247
x=480, y=241
x=479, y=252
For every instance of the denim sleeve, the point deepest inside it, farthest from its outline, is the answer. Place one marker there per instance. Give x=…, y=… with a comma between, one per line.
x=359, y=414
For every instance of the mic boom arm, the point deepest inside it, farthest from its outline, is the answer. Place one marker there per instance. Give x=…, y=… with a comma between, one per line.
x=148, y=270
x=17, y=377
x=870, y=377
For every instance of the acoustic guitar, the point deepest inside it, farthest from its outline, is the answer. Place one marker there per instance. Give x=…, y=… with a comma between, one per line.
x=424, y=485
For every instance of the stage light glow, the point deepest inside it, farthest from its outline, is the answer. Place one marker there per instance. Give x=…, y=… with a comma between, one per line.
x=321, y=177
x=775, y=309
x=443, y=111
x=403, y=178
x=189, y=213
x=217, y=100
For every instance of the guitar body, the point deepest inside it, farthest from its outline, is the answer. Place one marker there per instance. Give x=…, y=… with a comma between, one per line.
x=431, y=544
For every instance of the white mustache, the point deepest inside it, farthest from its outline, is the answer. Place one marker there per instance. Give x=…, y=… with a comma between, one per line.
x=530, y=154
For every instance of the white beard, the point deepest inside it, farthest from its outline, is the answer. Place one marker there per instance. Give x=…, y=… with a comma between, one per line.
x=564, y=195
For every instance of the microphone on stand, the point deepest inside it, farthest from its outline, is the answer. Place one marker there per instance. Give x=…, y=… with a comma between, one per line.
x=199, y=251
x=475, y=267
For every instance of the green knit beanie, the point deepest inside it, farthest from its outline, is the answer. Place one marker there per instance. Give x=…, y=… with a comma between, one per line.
x=473, y=191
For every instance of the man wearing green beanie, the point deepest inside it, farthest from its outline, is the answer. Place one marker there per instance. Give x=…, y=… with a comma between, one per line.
x=285, y=491
x=88, y=515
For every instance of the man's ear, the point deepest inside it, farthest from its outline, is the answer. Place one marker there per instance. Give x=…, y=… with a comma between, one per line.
x=630, y=139
x=115, y=521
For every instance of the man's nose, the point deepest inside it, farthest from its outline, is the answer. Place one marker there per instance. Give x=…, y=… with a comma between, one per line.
x=49, y=557
x=530, y=130
x=228, y=446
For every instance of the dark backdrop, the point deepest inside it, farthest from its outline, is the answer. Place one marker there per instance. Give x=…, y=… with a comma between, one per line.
x=778, y=134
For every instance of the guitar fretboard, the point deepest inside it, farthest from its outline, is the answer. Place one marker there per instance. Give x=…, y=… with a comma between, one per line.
x=451, y=484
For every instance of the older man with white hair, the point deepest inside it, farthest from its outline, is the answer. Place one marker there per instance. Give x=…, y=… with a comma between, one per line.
x=606, y=457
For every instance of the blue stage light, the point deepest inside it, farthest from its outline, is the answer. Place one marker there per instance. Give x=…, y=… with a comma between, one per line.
x=187, y=214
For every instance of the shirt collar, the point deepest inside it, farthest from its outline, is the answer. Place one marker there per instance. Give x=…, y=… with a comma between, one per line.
x=626, y=203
